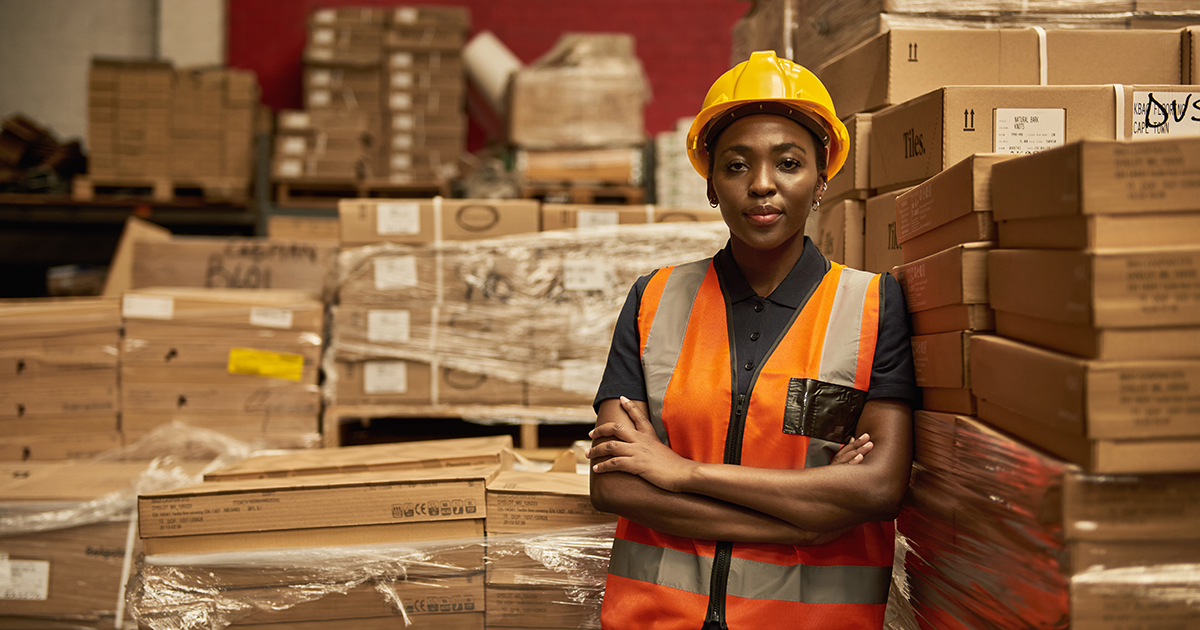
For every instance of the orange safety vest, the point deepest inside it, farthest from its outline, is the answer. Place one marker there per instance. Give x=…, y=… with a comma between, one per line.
x=803, y=403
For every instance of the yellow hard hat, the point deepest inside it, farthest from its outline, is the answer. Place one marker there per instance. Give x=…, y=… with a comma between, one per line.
x=779, y=86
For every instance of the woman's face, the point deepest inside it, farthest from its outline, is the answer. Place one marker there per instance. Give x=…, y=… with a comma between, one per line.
x=764, y=174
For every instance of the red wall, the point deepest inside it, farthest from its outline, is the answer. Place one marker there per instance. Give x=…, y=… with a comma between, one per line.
x=684, y=44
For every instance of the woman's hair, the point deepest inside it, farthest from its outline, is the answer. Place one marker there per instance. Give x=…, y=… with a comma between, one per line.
x=818, y=146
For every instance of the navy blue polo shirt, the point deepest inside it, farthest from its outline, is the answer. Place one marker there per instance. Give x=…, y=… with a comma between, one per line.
x=757, y=322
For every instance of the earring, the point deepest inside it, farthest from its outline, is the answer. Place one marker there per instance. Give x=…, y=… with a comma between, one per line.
x=713, y=202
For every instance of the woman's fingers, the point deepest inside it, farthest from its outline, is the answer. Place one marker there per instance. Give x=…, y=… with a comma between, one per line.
x=854, y=451
x=640, y=421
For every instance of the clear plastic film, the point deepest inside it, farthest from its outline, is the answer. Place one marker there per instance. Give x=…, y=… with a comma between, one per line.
x=997, y=534
x=420, y=582
x=532, y=310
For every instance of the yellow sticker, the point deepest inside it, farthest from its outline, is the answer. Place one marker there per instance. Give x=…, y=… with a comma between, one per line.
x=281, y=365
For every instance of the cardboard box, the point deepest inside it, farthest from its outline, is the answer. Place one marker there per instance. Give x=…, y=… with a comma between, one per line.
x=1114, y=289
x=956, y=276
x=942, y=360
x=317, y=502
x=949, y=400
x=167, y=348
x=917, y=139
x=281, y=227
x=840, y=232
x=562, y=216
x=853, y=181
x=391, y=381
x=881, y=249
x=972, y=317
x=911, y=62
x=75, y=402
x=1109, y=231
x=520, y=502
x=1106, y=344
x=1095, y=177
x=1131, y=509
x=950, y=208
x=264, y=428
x=1093, y=399
x=426, y=600
x=414, y=222
x=272, y=309
x=1191, y=55
x=622, y=165
x=74, y=445
x=543, y=607
x=476, y=451
x=22, y=320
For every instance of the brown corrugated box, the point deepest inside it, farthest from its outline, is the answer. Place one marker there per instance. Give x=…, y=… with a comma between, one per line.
x=620, y=165
x=841, y=227
x=948, y=209
x=521, y=502
x=955, y=276
x=392, y=381
x=1107, y=289
x=74, y=445
x=427, y=221
x=881, y=250
x=853, y=181
x=282, y=227
x=1093, y=399
x=972, y=317
x=1134, y=508
x=1108, y=344
x=561, y=216
x=942, y=360
x=427, y=600
x=543, y=607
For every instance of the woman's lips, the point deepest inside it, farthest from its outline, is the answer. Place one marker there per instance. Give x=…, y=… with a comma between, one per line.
x=764, y=216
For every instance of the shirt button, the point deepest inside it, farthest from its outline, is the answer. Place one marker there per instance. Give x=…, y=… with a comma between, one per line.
x=754, y=336
x=749, y=366
x=758, y=307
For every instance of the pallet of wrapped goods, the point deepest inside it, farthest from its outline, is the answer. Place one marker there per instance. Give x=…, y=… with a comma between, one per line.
x=981, y=499
x=416, y=221
x=588, y=91
x=567, y=216
x=60, y=356
x=242, y=362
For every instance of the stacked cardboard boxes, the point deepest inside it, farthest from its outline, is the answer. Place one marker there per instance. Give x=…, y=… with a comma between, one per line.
x=405, y=539
x=676, y=182
x=129, y=118
x=1001, y=534
x=59, y=395
x=240, y=362
x=547, y=551
x=1096, y=298
x=212, y=125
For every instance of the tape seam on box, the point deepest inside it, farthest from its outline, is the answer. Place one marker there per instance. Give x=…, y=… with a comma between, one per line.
x=1119, y=96
x=126, y=567
x=649, y=213
x=439, y=280
x=1043, y=57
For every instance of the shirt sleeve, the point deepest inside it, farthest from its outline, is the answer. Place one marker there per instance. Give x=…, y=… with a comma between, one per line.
x=892, y=374
x=623, y=374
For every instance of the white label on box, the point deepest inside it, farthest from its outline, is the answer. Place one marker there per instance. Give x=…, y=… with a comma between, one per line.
x=319, y=98
x=403, y=122
x=295, y=120
x=320, y=54
x=1166, y=113
x=406, y=15
x=402, y=79
x=324, y=16
x=402, y=60
x=320, y=77
x=397, y=218
x=385, y=326
x=294, y=146
x=322, y=36
x=400, y=100
x=271, y=317
x=402, y=141
x=586, y=275
x=1025, y=131
x=395, y=272
x=585, y=329
x=401, y=162
x=29, y=580
x=582, y=376
x=598, y=219
x=291, y=168
x=385, y=377
x=148, y=307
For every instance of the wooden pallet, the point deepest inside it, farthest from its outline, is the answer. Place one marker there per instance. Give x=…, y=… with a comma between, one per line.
x=584, y=193
x=232, y=190
x=325, y=193
x=339, y=420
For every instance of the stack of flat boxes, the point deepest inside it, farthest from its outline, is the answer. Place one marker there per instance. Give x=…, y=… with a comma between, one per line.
x=425, y=123
x=408, y=532
x=212, y=126
x=129, y=118
x=676, y=182
x=59, y=397
x=533, y=517
x=321, y=143
x=240, y=362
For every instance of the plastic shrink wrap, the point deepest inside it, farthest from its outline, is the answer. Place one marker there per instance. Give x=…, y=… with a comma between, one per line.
x=998, y=535
x=67, y=533
x=524, y=319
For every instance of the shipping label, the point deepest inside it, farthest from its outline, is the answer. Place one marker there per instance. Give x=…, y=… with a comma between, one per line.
x=395, y=272
x=389, y=326
x=281, y=365
x=1025, y=131
x=147, y=307
x=29, y=580
x=598, y=219
x=398, y=219
x=271, y=317
x=385, y=377
x=1166, y=113
x=587, y=275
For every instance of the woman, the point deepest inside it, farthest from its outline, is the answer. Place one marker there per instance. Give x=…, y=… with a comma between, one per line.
x=735, y=387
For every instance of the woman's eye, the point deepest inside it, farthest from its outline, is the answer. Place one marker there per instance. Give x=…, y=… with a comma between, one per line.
x=736, y=166
x=790, y=164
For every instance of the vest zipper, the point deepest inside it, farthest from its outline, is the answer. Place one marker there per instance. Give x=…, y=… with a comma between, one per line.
x=719, y=581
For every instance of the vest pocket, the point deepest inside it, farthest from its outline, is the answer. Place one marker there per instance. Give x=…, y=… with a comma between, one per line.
x=822, y=410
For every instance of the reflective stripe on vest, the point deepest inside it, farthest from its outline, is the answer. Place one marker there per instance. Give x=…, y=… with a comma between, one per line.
x=799, y=583
x=665, y=339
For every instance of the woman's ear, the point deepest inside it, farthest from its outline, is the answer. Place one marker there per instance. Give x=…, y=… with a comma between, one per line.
x=712, y=195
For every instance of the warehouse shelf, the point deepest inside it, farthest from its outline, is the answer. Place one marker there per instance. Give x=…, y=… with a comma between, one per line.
x=339, y=419
x=35, y=208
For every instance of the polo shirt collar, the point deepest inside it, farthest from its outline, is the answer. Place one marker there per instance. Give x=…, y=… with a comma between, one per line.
x=799, y=283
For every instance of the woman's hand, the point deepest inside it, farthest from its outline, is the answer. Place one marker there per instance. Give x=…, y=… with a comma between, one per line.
x=634, y=448
x=854, y=451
